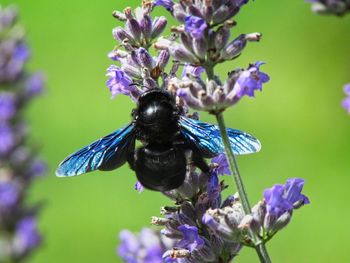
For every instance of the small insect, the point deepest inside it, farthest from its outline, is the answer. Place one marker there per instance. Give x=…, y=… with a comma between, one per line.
x=170, y=141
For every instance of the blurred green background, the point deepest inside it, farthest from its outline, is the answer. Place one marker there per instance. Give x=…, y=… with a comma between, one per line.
x=298, y=118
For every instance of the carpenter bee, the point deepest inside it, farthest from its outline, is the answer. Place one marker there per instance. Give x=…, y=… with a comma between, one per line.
x=167, y=137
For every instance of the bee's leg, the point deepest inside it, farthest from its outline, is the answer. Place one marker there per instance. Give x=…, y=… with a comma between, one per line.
x=131, y=159
x=199, y=161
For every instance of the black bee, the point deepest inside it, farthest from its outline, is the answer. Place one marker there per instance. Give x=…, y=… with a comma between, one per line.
x=168, y=139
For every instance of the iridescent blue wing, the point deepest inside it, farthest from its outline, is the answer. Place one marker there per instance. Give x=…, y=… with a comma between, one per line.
x=107, y=153
x=206, y=137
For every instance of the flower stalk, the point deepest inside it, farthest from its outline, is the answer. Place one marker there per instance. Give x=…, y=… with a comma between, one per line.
x=259, y=245
x=233, y=165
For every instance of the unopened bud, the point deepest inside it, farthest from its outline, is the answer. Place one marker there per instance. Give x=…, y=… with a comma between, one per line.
x=158, y=26
x=146, y=26
x=159, y=221
x=176, y=253
x=181, y=53
x=254, y=37
x=119, y=15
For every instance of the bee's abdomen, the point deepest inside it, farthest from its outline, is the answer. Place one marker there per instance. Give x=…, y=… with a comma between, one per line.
x=160, y=167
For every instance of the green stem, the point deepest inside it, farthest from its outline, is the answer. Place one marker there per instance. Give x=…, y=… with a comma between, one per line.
x=233, y=164
x=259, y=246
x=262, y=253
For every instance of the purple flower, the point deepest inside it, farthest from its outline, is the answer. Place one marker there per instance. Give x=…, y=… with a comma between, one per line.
x=190, y=70
x=27, y=236
x=346, y=101
x=21, y=52
x=35, y=84
x=128, y=247
x=293, y=190
x=214, y=188
x=223, y=167
x=276, y=204
x=7, y=106
x=8, y=194
x=168, y=4
x=283, y=198
x=145, y=58
x=191, y=240
x=7, y=140
x=195, y=26
x=250, y=80
x=347, y=89
x=139, y=187
x=119, y=82
x=147, y=247
x=37, y=168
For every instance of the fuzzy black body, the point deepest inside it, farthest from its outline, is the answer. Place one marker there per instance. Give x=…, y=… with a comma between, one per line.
x=161, y=163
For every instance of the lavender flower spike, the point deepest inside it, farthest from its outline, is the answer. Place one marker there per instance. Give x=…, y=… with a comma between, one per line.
x=275, y=211
x=19, y=163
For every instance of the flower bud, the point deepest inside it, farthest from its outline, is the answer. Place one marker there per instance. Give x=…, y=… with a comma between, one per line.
x=132, y=25
x=119, y=15
x=158, y=26
x=171, y=234
x=146, y=26
x=200, y=47
x=234, y=48
x=186, y=41
x=132, y=71
x=182, y=54
x=145, y=58
x=158, y=221
x=179, y=13
x=204, y=253
x=281, y=222
x=120, y=34
x=253, y=37
x=221, y=37
x=176, y=253
x=163, y=59
x=188, y=209
x=150, y=83
x=220, y=14
x=194, y=11
x=162, y=44
x=208, y=10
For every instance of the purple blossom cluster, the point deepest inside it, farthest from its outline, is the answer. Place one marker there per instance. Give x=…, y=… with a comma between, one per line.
x=330, y=7
x=199, y=43
x=204, y=227
x=19, y=164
